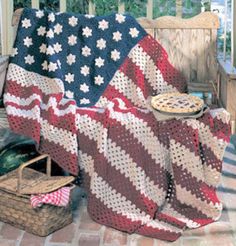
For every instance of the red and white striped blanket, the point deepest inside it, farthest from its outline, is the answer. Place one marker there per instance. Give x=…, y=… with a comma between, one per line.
x=143, y=176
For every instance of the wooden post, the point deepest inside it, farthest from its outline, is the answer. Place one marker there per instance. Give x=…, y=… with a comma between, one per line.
x=6, y=8
x=150, y=9
x=179, y=8
x=121, y=7
x=35, y=4
x=225, y=28
x=62, y=5
x=233, y=34
x=91, y=8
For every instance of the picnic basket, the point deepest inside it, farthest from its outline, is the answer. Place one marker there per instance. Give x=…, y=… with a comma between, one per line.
x=15, y=208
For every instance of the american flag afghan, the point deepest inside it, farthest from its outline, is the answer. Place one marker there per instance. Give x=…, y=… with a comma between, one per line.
x=78, y=85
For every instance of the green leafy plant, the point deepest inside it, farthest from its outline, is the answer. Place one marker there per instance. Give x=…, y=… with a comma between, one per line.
x=137, y=8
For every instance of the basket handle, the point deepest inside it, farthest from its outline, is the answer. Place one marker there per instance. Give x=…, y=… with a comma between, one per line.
x=22, y=166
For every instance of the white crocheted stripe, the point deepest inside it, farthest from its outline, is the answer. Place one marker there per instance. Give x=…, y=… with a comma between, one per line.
x=48, y=131
x=168, y=210
x=25, y=79
x=221, y=114
x=56, y=135
x=216, y=145
x=211, y=175
x=102, y=102
x=150, y=70
x=95, y=131
x=162, y=225
x=109, y=196
x=52, y=102
x=33, y=113
x=209, y=209
x=21, y=101
x=114, y=200
x=144, y=134
x=128, y=88
x=184, y=158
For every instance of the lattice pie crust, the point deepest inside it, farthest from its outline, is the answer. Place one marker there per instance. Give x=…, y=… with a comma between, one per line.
x=177, y=103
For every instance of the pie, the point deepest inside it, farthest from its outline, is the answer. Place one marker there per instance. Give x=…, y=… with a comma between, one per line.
x=176, y=102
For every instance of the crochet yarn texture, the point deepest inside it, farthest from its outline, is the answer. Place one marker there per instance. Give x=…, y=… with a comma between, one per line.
x=84, y=102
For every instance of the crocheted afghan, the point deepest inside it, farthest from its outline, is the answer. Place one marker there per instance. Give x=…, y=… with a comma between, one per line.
x=78, y=85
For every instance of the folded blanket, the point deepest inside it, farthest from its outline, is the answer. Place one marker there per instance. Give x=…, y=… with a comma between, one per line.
x=78, y=85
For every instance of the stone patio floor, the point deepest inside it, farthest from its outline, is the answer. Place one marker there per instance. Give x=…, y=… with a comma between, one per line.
x=84, y=232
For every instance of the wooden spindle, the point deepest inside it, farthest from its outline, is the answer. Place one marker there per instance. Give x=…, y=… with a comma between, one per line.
x=91, y=8
x=62, y=5
x=150, y=9
x=6, y=27
x=35, y=4
x=121, y=7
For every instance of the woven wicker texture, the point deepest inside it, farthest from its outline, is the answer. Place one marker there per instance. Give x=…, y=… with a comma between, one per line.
x=28, y=181
x=3, y=118
x=33, y=182
x=17, y=211
x=15, y=207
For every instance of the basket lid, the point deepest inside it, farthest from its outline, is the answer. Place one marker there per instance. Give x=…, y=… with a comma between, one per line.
x=33, y=182
x=178, y=103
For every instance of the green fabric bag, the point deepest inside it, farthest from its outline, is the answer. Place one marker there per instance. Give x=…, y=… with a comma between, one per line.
x=15, y=153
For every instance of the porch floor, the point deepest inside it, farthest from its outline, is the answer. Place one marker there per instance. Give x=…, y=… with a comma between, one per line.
x=84, y=232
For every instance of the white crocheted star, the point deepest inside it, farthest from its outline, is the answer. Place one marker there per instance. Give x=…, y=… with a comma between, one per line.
x=43, y=48
x=69, y=94
x=99, y=62
x=51, y=17
x=84, y=88
x=50, y=50
x=120, y=18
x=44, y=65
x=39, y=14
x=58, y=29
x=50, y=33
x=89, y=16
x=70, y=59
x=73, y=21
x=29, y=59
x=84, y=70
x=117, y=36
x=86, y=51
x=52, y=67
x=133, y=32
x=26, y=23
x=28, y=41
x=99, y=80
x=59, y=63
x=115, y=55
x=41, y=31
x=84, y=101
x=103, y=25
x=69, y=77
x=101, y=43
x=72, y=40
x=57, y=47
x=87, y=32
x=14, y=52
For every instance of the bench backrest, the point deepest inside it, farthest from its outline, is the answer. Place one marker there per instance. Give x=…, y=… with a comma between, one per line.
x=190, y=44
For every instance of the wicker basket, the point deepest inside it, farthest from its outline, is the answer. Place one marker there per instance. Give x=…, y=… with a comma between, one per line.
x=15, y=207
